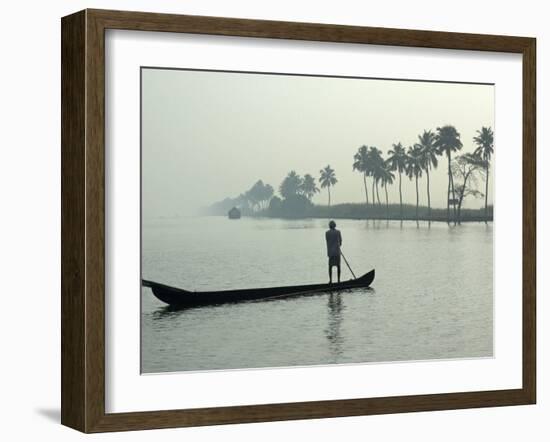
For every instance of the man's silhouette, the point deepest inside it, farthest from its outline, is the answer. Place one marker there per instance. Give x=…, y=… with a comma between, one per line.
x=334, y=241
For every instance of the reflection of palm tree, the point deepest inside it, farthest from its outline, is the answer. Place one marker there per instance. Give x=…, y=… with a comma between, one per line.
x=386, y=177
x=428, y=156
x=327, y=179
x=361, y=164
x=308, y=187
x=414, y=169
x=484, y=150
x=397, y=161
x=447, y=140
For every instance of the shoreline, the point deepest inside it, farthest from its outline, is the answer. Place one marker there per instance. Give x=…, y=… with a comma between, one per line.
x=355, y=211
x=405, y=219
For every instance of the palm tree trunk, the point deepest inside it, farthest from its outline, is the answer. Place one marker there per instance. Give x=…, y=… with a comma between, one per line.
x=400, y=198
x=486, y=191
x=428, y=186
x=366, y=191
x=387, y=205
x=454, y=197
x=328, y=195
x=378, y=195
x=448, y=196
x=452, y=187
x=373, y=201
x=449, y=188
x=416, y=199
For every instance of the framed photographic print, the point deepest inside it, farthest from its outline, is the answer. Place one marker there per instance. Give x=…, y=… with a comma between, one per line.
x=271, y=220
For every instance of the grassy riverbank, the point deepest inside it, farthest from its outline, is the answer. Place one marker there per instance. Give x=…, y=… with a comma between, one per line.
x=393, y=212
x=361, y=211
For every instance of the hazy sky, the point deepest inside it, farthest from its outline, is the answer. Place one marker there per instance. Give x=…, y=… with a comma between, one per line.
x=209, y=135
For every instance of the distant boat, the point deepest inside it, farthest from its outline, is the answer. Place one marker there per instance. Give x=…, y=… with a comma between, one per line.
x=183, y=298
x=234, y=213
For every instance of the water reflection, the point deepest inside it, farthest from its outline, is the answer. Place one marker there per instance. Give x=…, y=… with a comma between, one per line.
x=167, y=312
x=413, y=315
x=335, y=309
x=333, y=331
x=385, y=224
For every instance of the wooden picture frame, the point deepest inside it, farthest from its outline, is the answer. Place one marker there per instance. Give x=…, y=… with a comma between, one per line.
x=83, y=220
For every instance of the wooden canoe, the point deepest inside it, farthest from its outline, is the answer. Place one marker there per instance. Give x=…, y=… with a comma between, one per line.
x=183, y=298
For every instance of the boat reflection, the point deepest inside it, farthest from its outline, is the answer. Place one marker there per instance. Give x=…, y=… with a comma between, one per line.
x=174, y=310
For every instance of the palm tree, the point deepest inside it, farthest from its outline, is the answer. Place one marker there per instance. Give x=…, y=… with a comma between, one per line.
x=397, y=161
x=428, y=155
x=361, y=165
x=484, y=150
x=290, y=185
x=447, y=140
x=267, y=194
x=375, y=164
x=386, y=177
x=308, y=187
x=327, y=179
x=259, y=195
x=413, y=168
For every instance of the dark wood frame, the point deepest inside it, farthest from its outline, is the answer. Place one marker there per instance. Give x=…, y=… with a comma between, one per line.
x=83, y=218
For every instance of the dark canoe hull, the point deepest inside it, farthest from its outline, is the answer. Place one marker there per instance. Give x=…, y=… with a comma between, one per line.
x=184, y=298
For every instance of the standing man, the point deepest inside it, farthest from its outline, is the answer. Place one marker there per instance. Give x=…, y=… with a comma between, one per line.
x=334, y=241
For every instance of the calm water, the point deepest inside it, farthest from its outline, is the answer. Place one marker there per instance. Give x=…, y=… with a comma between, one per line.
x=432, y=297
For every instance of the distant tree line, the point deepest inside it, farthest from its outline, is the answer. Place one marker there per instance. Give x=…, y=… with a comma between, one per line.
x=249, y=202
x=464, y=172
x=296, y=194
x=422, y=157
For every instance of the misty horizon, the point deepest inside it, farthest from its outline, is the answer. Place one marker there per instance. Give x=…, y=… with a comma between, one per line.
x=207, y=136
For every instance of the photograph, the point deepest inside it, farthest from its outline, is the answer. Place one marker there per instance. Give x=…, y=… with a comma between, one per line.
x=294, y=220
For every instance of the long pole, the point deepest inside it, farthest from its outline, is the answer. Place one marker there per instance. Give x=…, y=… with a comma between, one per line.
x=346, y=261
